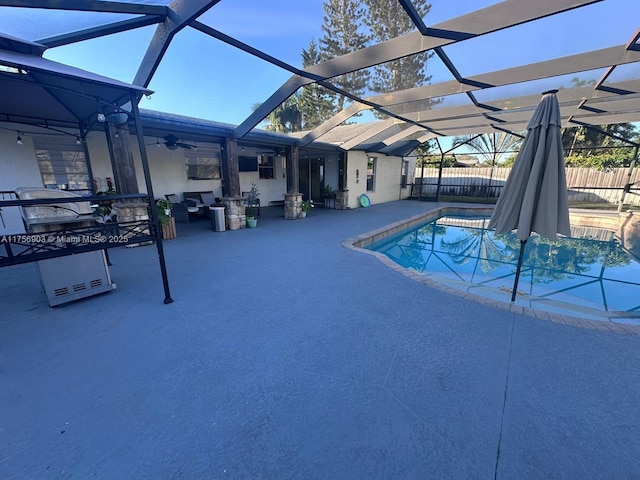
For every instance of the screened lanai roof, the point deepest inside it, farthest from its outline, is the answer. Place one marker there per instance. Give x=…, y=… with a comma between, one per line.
x=490, y=61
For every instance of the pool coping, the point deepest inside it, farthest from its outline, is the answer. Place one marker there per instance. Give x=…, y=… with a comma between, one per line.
x=356, y=243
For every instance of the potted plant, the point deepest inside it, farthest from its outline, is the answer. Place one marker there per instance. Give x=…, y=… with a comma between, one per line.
x=329, y=197
x=252, y=200
x=163, y=207
x=105, y=211
x=306, y=206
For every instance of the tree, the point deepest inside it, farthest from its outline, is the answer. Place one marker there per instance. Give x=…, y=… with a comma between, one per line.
x=285, y=118
x=386, y=19
x=581, y=141
x=316, y=103
x=492, y=148
x=584, y=141
x=342, y=35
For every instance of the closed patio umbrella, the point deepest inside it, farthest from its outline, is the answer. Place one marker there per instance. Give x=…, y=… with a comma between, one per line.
x=534, y=198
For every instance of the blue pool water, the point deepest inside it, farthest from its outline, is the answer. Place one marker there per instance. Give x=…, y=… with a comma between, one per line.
x=592, y=276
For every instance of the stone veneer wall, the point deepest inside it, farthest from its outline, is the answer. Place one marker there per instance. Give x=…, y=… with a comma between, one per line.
x=133, y=212
x=234, y=212
x=292, y=205
x=342, y=199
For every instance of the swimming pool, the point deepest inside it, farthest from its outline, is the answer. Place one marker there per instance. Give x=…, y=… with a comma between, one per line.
x=591, y=277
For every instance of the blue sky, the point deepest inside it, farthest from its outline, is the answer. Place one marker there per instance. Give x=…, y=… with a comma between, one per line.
x=202, y=77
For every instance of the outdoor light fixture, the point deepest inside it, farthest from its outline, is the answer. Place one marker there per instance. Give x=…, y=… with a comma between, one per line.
x=157, y=142
x=18, y=139
x=101, y=117
x=78, y=142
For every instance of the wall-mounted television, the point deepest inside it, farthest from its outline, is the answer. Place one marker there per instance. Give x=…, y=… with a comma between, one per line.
x=248, y=164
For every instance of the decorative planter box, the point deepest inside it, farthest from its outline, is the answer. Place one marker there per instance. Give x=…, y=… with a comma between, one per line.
x=169, y=230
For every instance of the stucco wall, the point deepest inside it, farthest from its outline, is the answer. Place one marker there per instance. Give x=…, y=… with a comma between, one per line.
x=168, y=170
x=272, y=189
x=168, y=173
x=387, y=181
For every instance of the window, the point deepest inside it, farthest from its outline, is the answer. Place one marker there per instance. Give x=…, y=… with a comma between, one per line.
x=371, y=174
x=202, y=164
x=266, y=166
x=404, y=177
x=62, y=163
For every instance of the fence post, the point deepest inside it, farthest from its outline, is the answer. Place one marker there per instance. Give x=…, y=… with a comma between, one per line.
x=439, y=177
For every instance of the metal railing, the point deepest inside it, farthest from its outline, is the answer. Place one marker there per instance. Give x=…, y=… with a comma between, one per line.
x=19, y=248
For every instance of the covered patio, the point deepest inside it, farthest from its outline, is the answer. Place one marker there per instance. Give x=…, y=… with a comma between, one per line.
x=335, y=367
x=280, y=354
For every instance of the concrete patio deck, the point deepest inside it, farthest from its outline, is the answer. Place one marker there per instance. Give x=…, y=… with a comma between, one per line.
x=287, y=356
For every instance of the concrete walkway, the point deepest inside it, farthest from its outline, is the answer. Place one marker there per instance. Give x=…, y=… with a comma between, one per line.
x=287, y=356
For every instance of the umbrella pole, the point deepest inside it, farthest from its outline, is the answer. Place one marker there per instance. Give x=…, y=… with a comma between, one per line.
x=520, y=257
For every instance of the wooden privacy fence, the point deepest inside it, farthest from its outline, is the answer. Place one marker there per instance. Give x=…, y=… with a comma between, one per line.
x=584, y=184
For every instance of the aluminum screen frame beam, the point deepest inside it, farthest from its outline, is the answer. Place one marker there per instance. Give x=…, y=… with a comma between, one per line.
x=405, y=103
x=90, y=6
x=101, y=31
x=181, y=14
x=480, y=22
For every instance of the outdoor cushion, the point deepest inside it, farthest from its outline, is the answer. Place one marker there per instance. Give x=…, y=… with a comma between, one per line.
x=208, y=198
x=173, y=198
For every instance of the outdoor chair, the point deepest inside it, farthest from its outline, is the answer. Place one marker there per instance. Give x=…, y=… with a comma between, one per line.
x=196, y=206
x=179, y=210
x=209, y=199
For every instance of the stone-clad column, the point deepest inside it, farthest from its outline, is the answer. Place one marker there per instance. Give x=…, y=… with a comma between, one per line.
x=342, y=199
x=293, y=198
x=292, y=205
x=133, y=212
x=234, y=212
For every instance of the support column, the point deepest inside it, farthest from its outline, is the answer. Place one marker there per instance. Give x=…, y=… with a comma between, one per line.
x=134, y=212
x=293, y=170
x=342, y=199
x=293, y=198
x=124, y=170
x=154, y=212
x=342, y=194
x=234, y=212
x=124, y=173
x=292, y=206
x=230, y=169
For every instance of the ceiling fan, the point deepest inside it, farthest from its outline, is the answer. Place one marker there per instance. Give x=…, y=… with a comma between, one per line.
x=172, y=143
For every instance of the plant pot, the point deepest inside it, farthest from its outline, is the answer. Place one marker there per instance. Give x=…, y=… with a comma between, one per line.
x=169, y=230
x=303, y=214
x=252, y=222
